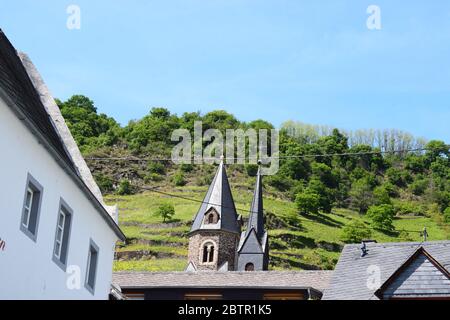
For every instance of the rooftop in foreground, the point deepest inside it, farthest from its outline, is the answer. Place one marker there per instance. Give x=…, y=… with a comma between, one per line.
x=317, y=280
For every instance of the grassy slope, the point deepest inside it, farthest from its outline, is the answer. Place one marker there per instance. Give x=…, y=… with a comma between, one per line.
x=305, y=243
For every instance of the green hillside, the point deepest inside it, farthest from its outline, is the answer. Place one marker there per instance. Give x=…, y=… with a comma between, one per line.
x=332, y=186
x=296, y=242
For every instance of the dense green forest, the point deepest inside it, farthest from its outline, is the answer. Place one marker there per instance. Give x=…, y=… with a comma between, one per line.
x=378, y=186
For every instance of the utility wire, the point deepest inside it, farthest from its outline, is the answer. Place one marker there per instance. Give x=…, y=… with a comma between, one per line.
x=156, y=190
x=299, y=156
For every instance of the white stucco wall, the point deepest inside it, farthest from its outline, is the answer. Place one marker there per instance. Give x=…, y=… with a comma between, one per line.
x=27, y=270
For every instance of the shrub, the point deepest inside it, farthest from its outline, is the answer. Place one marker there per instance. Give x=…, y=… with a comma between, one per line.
x=355, y=232
x=381, y=196
x=124, y=188
x=381, y=217
x=278, y=182
x=156, y=167
x=307, y=202
x=165, y=211
x=391, y=189
x=202, y=181
x=186, y=167
x=405, y=236
x=251, y=169
x=178, y=179
x=398, y=177
x=418, y=187
x=153, y=177
x=447, y=215
x=407, y=208
x=104, y=182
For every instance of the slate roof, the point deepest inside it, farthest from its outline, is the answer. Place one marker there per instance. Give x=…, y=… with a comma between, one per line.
x=17, y=86
x=24, y=91
x=420, y=276
x=256, y=219
x=349, y=281
x=220, y=198
x=249, y=243
x=317, y=280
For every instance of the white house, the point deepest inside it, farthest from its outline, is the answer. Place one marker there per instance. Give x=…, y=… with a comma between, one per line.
x=57, y=236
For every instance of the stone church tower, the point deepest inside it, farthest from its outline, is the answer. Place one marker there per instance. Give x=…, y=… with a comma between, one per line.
x=215, y=240
x=215, y=232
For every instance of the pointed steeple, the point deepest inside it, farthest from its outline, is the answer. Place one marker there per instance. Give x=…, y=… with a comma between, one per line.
x=256, y=218
x=218, y=201
x=253, y=247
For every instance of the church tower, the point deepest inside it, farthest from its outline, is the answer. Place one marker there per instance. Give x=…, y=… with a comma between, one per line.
x=215, y=231
x=253, y=249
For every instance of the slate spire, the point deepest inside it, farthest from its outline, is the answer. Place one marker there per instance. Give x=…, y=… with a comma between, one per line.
x=256, y=218
x=253, y=248
x=220, y=199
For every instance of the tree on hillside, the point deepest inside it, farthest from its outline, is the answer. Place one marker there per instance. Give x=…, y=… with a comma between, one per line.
x=447, y=215
x=381, y=196
x=307, y=202
x=436, y=149
x=355, y=232
x=220, y=120
x=153, y=130
x=317, y=187
x=361, y=196
x=165, y=211
x=89, y=129
x=381, y=217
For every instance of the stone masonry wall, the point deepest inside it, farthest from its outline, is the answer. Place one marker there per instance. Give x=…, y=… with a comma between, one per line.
x=224, y=249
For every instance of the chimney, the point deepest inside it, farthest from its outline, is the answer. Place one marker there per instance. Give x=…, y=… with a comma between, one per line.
x=364, y=250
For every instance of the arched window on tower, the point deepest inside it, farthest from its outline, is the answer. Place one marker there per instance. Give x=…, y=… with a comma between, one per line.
x=211, y=254
x=208, y=253
x=250, y=267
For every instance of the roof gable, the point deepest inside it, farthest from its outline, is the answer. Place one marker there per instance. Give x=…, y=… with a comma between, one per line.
x=220, y=198
x=251, y=243
x=349, y=281
x=420, y=275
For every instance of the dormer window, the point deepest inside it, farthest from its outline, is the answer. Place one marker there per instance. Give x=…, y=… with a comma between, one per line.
x=211, y=216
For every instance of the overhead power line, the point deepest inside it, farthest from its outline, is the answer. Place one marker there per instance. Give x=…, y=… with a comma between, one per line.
x=298, y=156
x=156, y=190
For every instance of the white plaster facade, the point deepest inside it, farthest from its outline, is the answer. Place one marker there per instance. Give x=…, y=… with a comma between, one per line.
x=27, y=270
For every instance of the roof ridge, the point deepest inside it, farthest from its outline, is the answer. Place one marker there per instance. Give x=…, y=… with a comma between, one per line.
x=399, y=244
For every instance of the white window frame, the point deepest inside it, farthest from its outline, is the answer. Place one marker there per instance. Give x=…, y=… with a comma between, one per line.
x=60, y=228
x=31, y=208
x=92, y=247
x=27, y=207
x=61, y=242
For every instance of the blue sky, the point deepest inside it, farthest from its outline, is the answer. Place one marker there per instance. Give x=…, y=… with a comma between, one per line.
x=311, y=61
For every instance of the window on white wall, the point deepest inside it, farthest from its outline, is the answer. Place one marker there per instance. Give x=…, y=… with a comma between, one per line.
x=31, y=207
x=91, y=270
x=62, y=235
